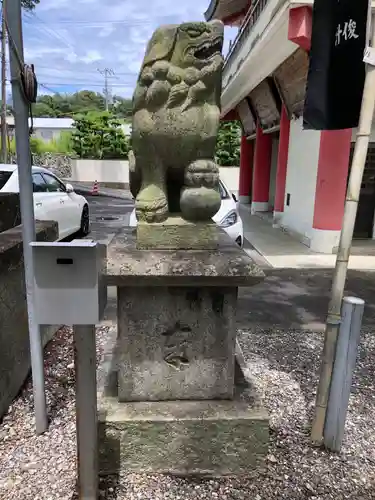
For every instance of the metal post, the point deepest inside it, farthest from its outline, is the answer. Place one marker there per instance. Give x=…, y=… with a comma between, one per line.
x=4, y=155
x=14, y=24
x=86, y=411
x=345, y=360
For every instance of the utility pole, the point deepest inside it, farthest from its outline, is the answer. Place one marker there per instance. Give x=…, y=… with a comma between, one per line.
x=107, y=72
x=21, y=111
x=4, y=156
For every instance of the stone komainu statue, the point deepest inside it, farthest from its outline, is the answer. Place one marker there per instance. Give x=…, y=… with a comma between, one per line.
x=176, y=111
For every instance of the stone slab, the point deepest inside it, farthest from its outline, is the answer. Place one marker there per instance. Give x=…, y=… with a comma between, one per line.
x=182, y=438
x=177, y=234
x=176, y=343
x=10, y=212
x=14, y=331
x=228, y=265
x=209, y=438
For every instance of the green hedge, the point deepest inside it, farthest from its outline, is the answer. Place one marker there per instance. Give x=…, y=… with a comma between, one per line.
x=61, y=145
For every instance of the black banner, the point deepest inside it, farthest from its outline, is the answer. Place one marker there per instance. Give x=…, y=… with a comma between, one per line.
x=337, y=72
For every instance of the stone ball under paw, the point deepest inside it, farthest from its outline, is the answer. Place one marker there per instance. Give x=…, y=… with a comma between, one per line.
x=199, y=204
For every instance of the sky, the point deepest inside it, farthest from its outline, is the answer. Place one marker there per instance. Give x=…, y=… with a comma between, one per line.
x=68, y=41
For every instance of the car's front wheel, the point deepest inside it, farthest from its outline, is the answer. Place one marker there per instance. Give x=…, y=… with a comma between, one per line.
x=85, y=221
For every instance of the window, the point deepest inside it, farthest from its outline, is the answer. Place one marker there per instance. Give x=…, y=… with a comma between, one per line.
x=4, y=178
x=53, y=184
x=39, y=185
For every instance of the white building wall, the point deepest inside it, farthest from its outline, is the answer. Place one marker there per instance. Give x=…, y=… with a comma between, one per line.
x=117, y=172
x=301, y=177
x=47, y=134
x=102, y=171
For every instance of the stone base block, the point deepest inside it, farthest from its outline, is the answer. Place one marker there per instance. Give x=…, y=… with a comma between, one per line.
x=212, y=438
x=209, y=438
x=177, y=234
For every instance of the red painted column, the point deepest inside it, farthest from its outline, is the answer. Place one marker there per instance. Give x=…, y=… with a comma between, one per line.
x=282, y=164
x=246, y=170
x=261, y=171
x=333, y=166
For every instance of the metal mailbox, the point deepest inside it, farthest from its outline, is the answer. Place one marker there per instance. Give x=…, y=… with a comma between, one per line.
x=70, y=286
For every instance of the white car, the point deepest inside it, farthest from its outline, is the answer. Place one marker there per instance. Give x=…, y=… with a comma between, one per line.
x=227, y=217
x=53, y=200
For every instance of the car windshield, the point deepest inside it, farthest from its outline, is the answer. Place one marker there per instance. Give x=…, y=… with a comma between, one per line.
x=223, y=192
x=4, y=178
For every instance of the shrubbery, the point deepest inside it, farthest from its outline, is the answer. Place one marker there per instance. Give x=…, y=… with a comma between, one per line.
x=99, y=136
x=228, y=144
x=61, y=145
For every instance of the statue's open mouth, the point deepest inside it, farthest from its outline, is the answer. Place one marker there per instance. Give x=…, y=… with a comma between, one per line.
x=208, y=50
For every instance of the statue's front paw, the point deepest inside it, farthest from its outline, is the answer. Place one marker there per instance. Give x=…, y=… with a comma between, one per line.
x=151, y=205
x=202, y=173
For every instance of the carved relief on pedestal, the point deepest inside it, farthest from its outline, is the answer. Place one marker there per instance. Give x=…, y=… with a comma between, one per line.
x=176, y=345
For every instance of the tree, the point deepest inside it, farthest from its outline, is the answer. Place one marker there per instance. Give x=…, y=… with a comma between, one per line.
x=228, y=144
x=29, y=4
x=83, y=102
x=122, y=107
x=99, y=136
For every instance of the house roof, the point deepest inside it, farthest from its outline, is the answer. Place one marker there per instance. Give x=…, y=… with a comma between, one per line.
x=59, y=124
x=223, y=9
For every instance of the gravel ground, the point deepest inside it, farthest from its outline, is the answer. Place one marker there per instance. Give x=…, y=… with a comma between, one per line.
x=285, y=363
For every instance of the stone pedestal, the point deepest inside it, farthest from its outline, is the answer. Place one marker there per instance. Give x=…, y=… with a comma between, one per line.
x=208, y=437
x=170, y=397
x=176, y=343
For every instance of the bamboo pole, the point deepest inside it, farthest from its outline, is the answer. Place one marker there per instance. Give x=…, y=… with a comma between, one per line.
x=342, y=260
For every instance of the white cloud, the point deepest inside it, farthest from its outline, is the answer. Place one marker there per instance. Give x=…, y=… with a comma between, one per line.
x=91, y=57
x=68, y=40
x=107, y=30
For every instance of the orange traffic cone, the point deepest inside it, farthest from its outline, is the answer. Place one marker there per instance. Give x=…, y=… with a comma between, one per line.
x=95, y=189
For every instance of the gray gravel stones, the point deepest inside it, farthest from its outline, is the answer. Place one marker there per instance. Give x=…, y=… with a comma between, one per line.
x=286, y=365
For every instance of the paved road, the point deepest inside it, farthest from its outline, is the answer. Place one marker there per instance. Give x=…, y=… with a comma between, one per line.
x=292, y=298
x=289, y=298
x=108, y=215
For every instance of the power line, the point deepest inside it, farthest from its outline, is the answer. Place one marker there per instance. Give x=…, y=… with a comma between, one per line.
x=84, y=78
x=94, y=23
x=51, y=87
x=78, y=84
x=39, y=69
x=47, y=88
x=79, y=72
x=45, y=28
